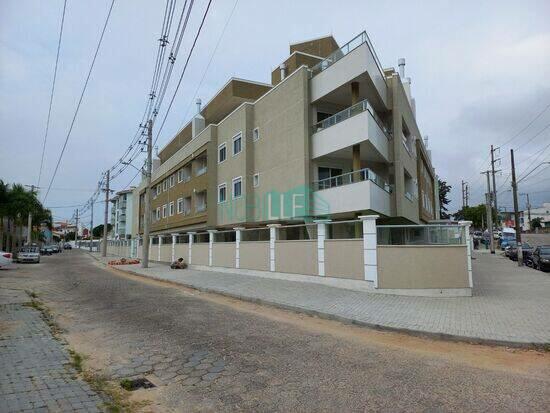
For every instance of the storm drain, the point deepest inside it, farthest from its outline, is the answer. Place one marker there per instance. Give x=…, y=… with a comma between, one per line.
x=135, y=384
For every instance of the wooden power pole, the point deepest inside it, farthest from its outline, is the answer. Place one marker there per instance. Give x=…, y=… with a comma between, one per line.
x=105, y=216
x=147, y=208
x=516, y=209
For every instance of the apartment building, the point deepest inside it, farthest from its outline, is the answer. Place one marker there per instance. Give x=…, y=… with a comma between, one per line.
x=334, y=136
x=122, y=214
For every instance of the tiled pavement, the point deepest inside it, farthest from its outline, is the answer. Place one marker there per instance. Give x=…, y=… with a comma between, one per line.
x=35, y=371
x=509, y=306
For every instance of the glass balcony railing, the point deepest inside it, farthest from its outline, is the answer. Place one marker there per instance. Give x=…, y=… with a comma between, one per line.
x=363, y=106
x=345, y=50
x=350, y=178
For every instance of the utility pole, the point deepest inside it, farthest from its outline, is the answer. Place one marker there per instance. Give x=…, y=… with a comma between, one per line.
x=76, y=230
x=147, y=209
x=463, y=196
x=91, y=237
x=528, y=212
x=106, y=216
x=493, y=161
x=489, y=210
x=29, y=223
x=516, y=211
x=467, y=193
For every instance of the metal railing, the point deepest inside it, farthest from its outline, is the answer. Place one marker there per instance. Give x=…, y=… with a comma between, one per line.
x=350, y=178
x=363, y=106
x=345, y=50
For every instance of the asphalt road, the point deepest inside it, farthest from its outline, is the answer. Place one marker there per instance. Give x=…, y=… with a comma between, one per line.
x=212, y=353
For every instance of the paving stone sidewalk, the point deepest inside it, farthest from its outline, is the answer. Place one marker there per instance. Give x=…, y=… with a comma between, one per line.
x=510, y=305
x=36, y=375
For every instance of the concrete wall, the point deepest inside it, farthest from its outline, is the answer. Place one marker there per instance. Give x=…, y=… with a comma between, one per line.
x=344, y=259
x=254, y=255
x=223, y=254
x=298, y=257
x=422, y=267
x=165, y=253
x=182, y=251
x=200, y=254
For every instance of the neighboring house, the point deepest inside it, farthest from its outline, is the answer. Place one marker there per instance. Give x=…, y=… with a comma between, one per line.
x=333, y=136
x=122, y=214
x=543, y=213
x=12, y=236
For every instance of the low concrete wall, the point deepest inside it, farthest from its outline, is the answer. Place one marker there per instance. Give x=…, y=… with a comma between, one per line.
x=254, y=255
x=223, y=254
x=200, y=254
x=344, y=258
x=422, y=267
x=182, y=251
x=165, y=253
x=296, y=257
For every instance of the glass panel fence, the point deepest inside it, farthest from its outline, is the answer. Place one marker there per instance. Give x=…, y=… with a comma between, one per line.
x=421, y=235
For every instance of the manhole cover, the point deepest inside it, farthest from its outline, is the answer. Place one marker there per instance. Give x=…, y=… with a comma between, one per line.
x=134, y=384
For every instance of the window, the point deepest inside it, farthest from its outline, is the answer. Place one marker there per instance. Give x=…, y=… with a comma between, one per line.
x=201, y=165
x=180, y=205
x=200, y=201
x=164, y=211
x=222, y=152
x=171, y=208
x=158, y=213
x=164, y=185
x=187, y=205
x=237, y=187
x=256, y=134
x=237, y=143
x=180, y=175
x=172, y=180
x=159, y=189
x=184, y=174
x=222, y=193
x=256, y=180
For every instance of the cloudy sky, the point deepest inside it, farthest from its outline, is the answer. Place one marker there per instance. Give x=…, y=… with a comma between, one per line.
x=480, y=74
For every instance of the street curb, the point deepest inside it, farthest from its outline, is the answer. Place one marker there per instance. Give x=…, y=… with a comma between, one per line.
x=344, y=320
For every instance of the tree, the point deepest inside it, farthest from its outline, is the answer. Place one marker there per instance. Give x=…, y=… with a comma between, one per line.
x=444, y=190
x=536, y=223
x=476, y=214
x=98, y=231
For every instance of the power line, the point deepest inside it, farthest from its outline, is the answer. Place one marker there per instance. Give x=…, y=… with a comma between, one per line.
x=80, y=100
x=184, y=69
x=52, y=93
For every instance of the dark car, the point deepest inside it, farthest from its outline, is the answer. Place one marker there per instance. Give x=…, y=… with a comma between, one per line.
x=508, y=247
x=67, y=246
x=541, y=258
x=525, y=248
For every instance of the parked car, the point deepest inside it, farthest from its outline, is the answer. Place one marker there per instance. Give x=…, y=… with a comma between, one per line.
x=29, y=254
x=541, y=258
x=55, y=248
x=513, y=251
x=67, y=246
x=46, y=250
x=6, y=259
x=509, y=245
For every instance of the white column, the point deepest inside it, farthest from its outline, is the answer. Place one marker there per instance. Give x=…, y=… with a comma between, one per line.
x=211, y=233
x=369, y=248
x=272, y=238
x=160, y=244
x=174, y=237
x=321, y=236
x=191, y=238
x=151, y=246
x=138, y=239
x=238, y=246
x=466, y=225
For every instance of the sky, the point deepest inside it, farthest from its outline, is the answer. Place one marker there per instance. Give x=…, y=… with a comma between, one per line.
x=480, y=76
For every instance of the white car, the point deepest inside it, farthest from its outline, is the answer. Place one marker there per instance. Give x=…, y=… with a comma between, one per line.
x=29, y=254
x=6, y=260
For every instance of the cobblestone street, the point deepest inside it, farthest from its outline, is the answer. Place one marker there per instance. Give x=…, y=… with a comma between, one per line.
x=206, y=352
x=36, y=375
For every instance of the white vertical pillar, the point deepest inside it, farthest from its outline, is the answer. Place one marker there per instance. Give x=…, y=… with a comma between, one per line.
x=238, y=246
x=321, y=236
x=369, y=248
x=174, y=237
x=466, y=225
x=137, y=246
x=191, y=239
x=210, y=245
x=151, y=246
x=272, y=238
x=160, y=244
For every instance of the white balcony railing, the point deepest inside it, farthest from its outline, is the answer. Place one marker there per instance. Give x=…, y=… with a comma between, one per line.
x=350, y=178
x=348, y=113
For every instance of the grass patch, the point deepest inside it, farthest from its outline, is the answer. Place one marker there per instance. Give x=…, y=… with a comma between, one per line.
x=118, y=398
x=126, y=384
x=77, y=361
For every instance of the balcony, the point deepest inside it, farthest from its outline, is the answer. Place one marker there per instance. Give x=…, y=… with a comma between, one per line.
x=352, y=192
x=357, y=124
x=355, y=61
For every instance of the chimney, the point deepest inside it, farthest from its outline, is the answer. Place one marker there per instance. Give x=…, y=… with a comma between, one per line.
x=401, y=63
x=198, y=123
x=282, y=68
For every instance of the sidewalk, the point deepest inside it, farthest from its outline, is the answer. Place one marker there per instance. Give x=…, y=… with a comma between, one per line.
x=36, y=375
x=510, y=305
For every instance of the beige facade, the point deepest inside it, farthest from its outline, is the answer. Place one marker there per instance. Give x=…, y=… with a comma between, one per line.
x=333, y=136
